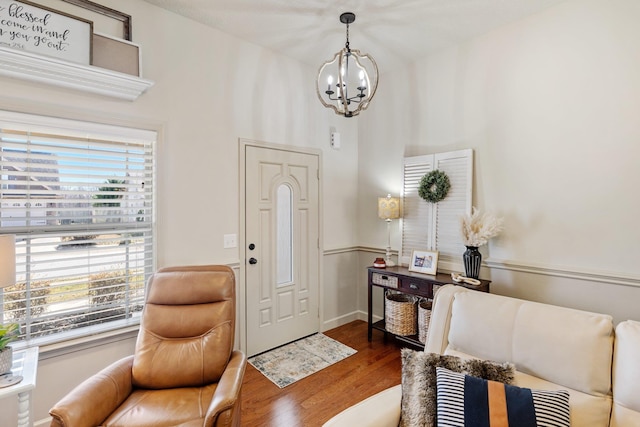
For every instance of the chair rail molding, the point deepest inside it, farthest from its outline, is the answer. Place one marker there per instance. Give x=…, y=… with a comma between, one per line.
x=569, y=273
x=52, y=71
x=450, y=263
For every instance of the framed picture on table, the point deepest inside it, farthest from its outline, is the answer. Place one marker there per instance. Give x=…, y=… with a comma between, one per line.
x=424, y=262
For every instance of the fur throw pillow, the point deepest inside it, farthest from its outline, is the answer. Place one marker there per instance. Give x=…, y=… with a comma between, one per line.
x=419, y=382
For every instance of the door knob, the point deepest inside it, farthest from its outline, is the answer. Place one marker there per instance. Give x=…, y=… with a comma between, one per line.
x=253, y=261
x=252, y=246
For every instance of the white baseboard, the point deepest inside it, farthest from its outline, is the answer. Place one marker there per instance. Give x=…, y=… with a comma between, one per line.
x=339, y=321
x=350, y=317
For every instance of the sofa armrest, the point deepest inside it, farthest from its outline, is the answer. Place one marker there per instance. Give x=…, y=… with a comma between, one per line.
x=626, y=375
x=438, y=331
x=224, y=409
x=94, y=399
x=379, y=410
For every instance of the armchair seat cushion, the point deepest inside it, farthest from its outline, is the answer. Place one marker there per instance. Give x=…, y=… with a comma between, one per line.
x=163, y=408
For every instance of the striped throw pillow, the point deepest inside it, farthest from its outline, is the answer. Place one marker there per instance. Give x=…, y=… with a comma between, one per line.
x=418, y=408
x=464, y=400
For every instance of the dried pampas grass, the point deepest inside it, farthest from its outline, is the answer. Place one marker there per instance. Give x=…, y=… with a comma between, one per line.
x=478, y=228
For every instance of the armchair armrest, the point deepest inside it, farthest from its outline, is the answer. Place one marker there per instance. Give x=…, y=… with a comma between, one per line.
x=226, y=398
x=94, y=399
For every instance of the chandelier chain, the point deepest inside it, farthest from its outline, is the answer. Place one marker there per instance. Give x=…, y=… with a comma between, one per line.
x=347, y=43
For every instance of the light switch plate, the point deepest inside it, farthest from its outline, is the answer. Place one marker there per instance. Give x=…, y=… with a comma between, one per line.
x=335, y=140
x=230, y=241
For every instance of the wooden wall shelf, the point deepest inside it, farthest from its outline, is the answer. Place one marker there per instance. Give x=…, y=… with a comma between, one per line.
x=52, y=71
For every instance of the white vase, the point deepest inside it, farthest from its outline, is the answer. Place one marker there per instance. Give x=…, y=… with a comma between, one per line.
x=6, y=360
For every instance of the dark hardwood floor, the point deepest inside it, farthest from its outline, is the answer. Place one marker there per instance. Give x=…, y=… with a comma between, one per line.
x=312, y=401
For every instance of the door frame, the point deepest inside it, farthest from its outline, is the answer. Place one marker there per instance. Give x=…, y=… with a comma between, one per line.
x=241, y=302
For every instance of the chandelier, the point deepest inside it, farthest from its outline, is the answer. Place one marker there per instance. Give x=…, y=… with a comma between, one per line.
x=350, y=78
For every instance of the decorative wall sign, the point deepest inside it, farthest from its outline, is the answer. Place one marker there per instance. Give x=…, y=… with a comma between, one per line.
x=34, y=28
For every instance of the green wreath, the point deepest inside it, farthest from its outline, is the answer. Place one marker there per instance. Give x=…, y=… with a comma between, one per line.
x=434, y=186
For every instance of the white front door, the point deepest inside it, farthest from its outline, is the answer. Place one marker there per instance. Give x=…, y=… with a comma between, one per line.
x=282, y=246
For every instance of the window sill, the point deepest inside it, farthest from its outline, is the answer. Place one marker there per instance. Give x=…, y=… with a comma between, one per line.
x=79, y=343
x=36, y=68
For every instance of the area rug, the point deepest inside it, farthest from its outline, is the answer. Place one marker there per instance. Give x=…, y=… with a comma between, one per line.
x=299, y=359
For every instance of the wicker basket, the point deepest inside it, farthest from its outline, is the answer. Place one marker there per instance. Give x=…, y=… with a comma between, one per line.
x=400, y=314
x=424, y=316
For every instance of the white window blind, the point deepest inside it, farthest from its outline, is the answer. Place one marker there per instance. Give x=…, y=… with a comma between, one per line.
x=435, y=226
x=79, y=198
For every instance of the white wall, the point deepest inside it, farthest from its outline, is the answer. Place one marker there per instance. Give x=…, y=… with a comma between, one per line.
x=210, y=90
x=550, y=105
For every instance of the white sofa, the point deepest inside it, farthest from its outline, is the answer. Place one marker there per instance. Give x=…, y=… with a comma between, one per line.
x=551, y=347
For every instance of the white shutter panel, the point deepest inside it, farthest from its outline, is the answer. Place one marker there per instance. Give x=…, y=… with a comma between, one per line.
x=429, y=226
x=458, y=165
x=416, y=213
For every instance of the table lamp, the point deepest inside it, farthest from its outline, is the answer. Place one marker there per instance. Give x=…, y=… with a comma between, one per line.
x=7, y=278
x=7, y=260
x=388, y=209
x=7, y=266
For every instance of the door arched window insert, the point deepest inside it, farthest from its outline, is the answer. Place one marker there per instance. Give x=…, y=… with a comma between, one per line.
x=284, y=235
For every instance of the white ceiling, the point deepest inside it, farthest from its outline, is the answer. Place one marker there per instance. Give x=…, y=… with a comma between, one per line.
x=392, y=31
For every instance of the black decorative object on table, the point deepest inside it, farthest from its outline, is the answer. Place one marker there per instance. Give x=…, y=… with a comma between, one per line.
x=476, y=230
x=472, y=259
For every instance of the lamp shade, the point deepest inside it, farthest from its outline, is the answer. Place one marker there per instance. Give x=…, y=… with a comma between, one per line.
x=7, y=260
x=388, y=207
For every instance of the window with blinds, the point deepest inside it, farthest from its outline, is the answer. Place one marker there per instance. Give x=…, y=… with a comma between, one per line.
x=435, y=226
x=79, y=198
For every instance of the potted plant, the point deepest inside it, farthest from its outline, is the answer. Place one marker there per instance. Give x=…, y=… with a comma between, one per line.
x=8, y=333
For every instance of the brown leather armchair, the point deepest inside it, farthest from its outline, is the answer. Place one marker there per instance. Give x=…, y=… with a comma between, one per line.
x=184, y=371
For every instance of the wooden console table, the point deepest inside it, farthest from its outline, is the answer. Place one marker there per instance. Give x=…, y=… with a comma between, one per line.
x=402, y=280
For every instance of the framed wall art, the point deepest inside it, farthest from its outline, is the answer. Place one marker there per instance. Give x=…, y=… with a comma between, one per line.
x=116, y=54
x=38, y=29
x=108, y=12
x=424, y=262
